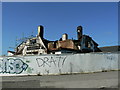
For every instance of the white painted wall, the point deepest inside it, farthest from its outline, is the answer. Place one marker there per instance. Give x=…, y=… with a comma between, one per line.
x=58, y=64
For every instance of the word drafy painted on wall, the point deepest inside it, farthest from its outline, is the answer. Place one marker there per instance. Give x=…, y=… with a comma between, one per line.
x=48, y=61
x=12, y=66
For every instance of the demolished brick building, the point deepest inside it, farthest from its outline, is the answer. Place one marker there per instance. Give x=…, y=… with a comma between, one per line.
x=40, y=45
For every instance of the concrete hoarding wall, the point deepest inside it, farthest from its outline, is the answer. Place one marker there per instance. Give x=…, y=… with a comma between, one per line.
x=58, y=64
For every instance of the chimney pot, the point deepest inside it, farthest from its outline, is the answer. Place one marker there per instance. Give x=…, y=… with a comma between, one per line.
x=64, y=37
x=79, y=32
x=40, y=31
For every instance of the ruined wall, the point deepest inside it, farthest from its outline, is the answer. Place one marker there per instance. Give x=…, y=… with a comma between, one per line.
x=58, y=64
x=69, y=44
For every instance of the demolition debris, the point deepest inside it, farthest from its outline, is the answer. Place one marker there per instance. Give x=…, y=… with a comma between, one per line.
x=40, y=45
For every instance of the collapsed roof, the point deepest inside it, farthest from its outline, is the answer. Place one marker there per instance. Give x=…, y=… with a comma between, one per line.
x=40, y=45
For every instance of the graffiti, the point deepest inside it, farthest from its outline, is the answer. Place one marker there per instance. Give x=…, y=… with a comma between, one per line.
x=110, y=57
x=12, y=66
x=57, y=61
x=44, y=62
x=29, y=70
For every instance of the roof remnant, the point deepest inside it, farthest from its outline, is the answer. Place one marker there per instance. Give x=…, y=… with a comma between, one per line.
x=110, y=48
x=40, y=45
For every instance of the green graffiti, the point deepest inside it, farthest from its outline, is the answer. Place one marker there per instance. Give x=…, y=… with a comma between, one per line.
x=29, y=70
x=27, y=61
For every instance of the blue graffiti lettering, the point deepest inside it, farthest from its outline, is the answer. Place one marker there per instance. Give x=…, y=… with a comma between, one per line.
x=12, y=66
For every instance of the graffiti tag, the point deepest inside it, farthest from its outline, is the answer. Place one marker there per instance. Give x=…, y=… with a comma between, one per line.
x=57, y=61
x=12, y=66
x=110, y=57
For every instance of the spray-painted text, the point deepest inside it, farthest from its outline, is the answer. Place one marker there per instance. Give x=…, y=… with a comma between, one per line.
x=57, y=61
x=12, y=66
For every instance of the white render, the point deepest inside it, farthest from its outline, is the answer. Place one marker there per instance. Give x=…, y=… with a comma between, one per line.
x=48, y=64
